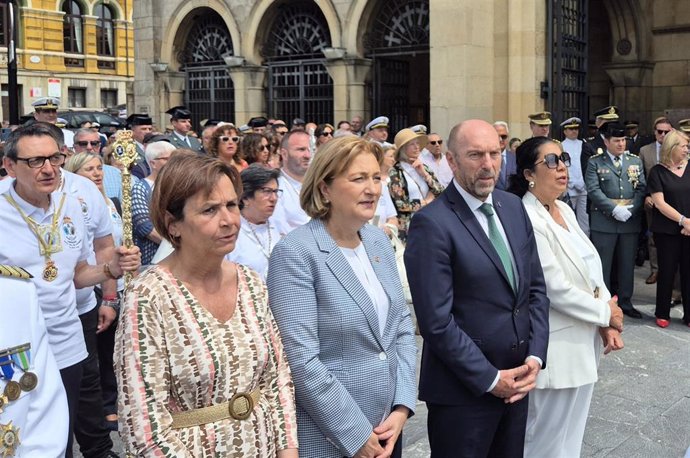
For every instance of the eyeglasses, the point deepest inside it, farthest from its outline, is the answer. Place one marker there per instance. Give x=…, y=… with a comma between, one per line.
x=662, y=132
x=268, y=192
x=436, y=142
x=551, y=160
x=39, y=161
x=3, y=173
x=326, y=134
x=226, y=139
x=503, y=137
x=84, y=144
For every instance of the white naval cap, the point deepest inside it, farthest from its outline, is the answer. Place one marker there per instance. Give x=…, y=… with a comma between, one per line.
x=419, y=129
x=46, y=103
x=571, y=123
x=375, y=123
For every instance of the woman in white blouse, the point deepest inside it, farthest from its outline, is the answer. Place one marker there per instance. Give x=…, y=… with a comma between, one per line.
x=581, y=307
x=257, y=235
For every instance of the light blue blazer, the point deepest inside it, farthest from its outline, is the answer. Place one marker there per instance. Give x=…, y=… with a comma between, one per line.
x=348, y=376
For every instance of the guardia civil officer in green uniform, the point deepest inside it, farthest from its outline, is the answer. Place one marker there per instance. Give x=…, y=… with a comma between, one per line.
x=616, y=188
x=181, y=120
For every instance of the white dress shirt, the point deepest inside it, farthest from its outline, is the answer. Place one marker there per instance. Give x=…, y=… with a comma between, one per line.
x=576, y=182
x=440, y=168
x=254, y=245
x=288, y=213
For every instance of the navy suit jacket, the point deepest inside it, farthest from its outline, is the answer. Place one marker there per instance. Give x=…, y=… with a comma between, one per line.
x=472, y=321
x=508, y=168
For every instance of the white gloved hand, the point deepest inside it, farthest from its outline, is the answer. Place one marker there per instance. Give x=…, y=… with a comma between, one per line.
x=622, y=212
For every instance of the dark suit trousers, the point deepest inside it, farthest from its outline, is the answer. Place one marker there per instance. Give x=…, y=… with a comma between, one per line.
x=621, y=248
x=672, y=251
x=494, y=429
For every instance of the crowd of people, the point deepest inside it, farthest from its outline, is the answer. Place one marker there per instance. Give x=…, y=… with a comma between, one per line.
x=275, y=266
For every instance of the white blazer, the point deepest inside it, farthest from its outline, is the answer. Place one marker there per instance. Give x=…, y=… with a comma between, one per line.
x=574, y=314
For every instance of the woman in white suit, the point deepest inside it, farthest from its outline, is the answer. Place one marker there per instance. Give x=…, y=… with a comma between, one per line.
x=581, y=307
x=337, y=298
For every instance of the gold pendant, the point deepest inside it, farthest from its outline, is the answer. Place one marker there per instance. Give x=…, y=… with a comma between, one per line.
x=28, y=381
x=9, y=439
x=12, y=390
x=3, y=402
x=50, y=271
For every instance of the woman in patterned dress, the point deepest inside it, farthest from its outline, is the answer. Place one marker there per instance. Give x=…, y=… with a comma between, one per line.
x=200, y=363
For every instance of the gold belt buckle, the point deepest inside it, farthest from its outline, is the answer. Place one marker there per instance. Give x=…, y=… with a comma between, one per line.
x=240, y=406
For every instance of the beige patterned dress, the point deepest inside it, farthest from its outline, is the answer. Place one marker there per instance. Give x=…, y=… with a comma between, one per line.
x=172, y=355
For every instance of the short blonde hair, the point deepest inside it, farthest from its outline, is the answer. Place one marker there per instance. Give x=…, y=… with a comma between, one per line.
x=79, y=160
x=333, y=159
x=672, y=140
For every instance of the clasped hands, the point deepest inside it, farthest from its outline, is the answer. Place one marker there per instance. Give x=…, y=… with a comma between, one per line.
x=611, y=335
x=514, y=384
x=386, y=433
x=622, y=212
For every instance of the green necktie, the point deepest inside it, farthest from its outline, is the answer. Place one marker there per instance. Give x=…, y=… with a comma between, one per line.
x=498, y=243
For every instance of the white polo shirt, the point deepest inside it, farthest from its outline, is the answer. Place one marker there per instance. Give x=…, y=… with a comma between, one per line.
x=39, y=414
x=288, y=214
x=19, y=246
x=98, y=224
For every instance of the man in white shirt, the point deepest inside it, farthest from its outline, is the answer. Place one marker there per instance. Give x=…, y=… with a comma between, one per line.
x=433, y=157
x=577, y=191
x=294, y=149
x=45, y=232
x=377, y=130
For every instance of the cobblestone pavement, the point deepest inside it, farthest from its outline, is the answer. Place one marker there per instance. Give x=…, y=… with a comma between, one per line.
x=641, y=404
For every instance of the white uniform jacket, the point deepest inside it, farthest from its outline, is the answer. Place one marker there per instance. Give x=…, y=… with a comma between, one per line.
x=574, y=314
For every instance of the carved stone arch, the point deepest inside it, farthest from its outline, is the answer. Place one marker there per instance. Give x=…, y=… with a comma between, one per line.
x=627, y=23
x=180, y=25
x=264, y=13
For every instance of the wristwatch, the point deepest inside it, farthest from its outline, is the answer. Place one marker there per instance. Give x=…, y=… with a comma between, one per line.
x=112, y=304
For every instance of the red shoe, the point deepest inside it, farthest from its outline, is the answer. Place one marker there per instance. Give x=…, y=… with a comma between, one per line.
x=662, y=323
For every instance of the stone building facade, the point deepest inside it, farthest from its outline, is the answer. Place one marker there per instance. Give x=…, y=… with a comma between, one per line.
x=417, y=61
x=79, y=50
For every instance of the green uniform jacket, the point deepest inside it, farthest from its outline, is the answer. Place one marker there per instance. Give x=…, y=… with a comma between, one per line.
x=606, y=183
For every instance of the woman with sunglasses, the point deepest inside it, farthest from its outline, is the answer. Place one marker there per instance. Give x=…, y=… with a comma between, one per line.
x=669, y=186
x=256, y=148
x=223, y=145
x=581, y=305
x=257, y=235
x=323, y=134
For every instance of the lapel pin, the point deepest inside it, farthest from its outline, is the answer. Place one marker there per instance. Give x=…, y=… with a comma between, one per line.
x=377, y=259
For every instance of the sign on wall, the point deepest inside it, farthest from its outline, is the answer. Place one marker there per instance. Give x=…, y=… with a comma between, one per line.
x=54, y=87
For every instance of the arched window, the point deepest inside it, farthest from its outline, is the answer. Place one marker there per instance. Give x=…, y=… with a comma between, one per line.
x=105, y=38
x=72, y=31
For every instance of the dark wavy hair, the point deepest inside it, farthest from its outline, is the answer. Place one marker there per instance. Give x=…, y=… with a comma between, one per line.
x=250, y=147
x=526, y=155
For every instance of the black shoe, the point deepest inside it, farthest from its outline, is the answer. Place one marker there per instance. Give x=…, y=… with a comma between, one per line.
x=632, y=312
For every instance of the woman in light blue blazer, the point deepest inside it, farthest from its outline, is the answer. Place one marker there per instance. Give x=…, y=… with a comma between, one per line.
x=335, y=293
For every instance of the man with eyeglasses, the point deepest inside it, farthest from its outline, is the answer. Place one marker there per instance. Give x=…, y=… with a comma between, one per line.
x=45, y=228
x=649, y=154
x=616, y=186
x=508, y=162
x=577, y=190
x=433, y=157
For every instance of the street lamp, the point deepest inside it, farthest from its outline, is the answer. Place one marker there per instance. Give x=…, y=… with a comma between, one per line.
x=12, y=63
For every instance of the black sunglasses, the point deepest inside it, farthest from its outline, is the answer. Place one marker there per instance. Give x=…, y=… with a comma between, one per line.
x=227, y=139
x=551, y=160
x=662, y=132
x=326, y=134
x=436, y=142
x=3, y=173
x=84, y=143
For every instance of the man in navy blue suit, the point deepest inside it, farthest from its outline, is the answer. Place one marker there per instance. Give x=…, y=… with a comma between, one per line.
x=480, y=300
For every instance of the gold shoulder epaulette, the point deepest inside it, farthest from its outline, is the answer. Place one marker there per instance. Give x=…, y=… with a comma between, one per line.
x=599, y=152
x=14, y=272
x=628, y=153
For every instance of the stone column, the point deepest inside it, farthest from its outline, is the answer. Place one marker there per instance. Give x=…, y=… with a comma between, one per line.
x=349, y=89
x=250, y=98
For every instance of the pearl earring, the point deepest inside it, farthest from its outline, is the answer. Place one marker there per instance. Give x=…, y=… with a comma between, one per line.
x=531, y=184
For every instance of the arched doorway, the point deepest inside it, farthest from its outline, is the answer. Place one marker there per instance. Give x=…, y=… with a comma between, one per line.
x=299, y=85
x=209, y=91
x=398, y=42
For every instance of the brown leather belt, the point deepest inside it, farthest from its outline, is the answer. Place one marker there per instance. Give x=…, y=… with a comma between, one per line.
x=239, y=407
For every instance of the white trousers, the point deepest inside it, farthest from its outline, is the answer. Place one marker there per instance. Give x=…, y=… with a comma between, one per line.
x=556, y=422
x=580, y=205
